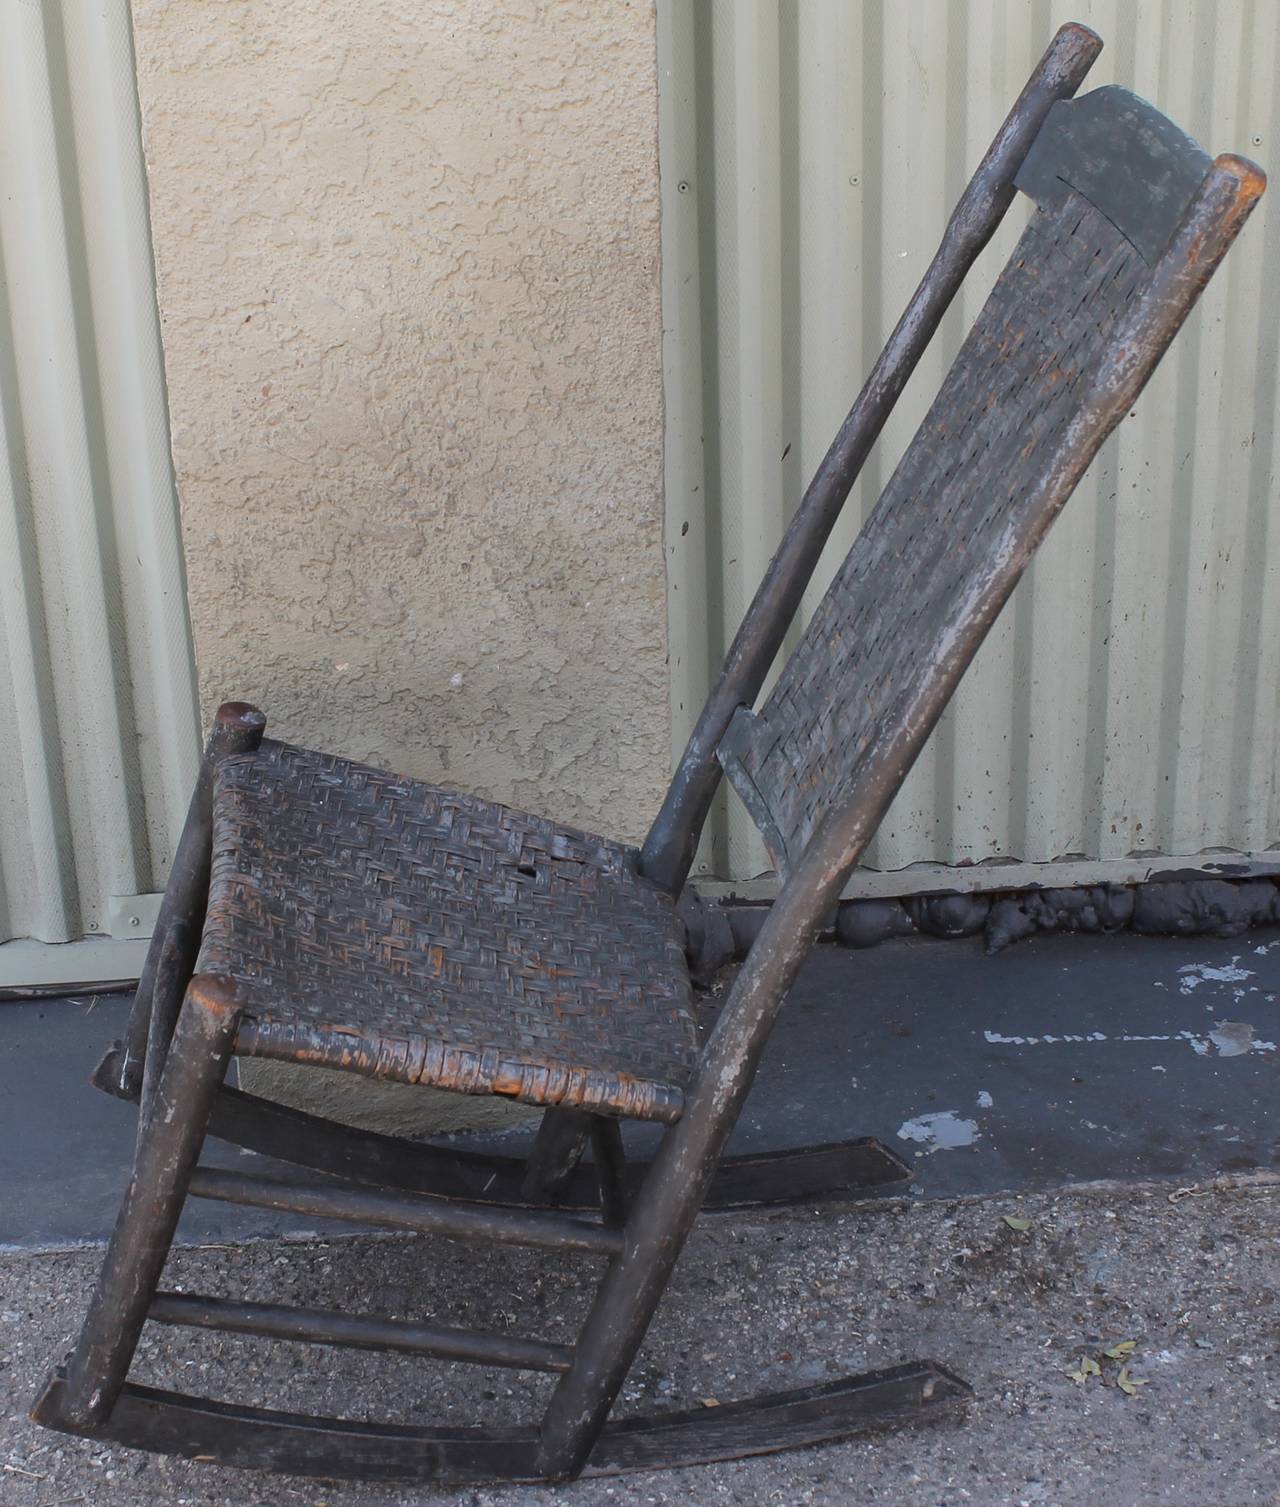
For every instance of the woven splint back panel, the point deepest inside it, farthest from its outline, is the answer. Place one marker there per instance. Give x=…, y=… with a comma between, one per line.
x=907, y=588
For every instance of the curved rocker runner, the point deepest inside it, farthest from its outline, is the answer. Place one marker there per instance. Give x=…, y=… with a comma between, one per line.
x=320, y=911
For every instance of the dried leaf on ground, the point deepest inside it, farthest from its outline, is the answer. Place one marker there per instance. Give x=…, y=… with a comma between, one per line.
x=1122, y=1351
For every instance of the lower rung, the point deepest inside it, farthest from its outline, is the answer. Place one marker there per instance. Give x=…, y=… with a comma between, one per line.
x=408, y=1211
x=324, y=1326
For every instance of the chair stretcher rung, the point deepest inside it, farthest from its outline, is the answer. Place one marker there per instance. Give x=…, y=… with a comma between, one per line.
x=323, y=1326
x=406, y=1211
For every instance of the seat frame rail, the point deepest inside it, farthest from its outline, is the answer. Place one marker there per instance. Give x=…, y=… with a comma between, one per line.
x=837, y=1170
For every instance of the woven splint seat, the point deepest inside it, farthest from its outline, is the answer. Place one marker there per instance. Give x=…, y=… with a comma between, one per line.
x=386, y=926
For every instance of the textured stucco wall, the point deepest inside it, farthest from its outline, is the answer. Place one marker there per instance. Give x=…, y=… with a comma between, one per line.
x=407, y=259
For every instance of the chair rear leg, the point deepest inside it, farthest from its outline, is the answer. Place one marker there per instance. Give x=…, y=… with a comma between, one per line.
x=657, y=1227
x=663, y=1211
x=173, y=1134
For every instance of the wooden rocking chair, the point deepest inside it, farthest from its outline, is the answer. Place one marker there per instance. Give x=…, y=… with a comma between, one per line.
x=320, y=911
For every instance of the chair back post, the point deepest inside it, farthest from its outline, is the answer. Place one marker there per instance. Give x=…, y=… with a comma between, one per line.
x=664, y=1210
x=667, y=855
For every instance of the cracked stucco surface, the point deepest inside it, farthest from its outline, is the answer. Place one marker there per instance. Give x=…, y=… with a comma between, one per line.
x=407, y=262
x=407, y=259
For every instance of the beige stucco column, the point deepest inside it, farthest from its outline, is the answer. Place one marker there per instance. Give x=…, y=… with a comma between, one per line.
x=407, y=259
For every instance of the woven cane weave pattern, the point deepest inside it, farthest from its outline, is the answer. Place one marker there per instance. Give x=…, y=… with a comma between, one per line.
x=387, y=926
x=905, y=592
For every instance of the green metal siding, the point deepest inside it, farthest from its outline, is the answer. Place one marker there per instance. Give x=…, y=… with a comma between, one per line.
x=1126, y=701
x=98, y=721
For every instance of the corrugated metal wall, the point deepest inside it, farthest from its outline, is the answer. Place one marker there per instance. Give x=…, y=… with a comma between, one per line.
x=811, y=151
x=98, y=721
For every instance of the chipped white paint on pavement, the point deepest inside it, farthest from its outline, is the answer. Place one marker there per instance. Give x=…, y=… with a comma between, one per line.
x=1226, y=1038
x=985, y=1101
x=940, y=1132
x=1232, y=1038
x=1192, y=975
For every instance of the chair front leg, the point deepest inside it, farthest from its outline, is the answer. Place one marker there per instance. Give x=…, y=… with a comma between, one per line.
x=557, y=1149
x=173, y=1134
x=611, y=1169
x=237, y=728
x=171, y=979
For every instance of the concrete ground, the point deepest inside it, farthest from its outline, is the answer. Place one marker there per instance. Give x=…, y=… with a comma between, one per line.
x=1065, y=1059
x=1117, y=1094
x=1189, y=1277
